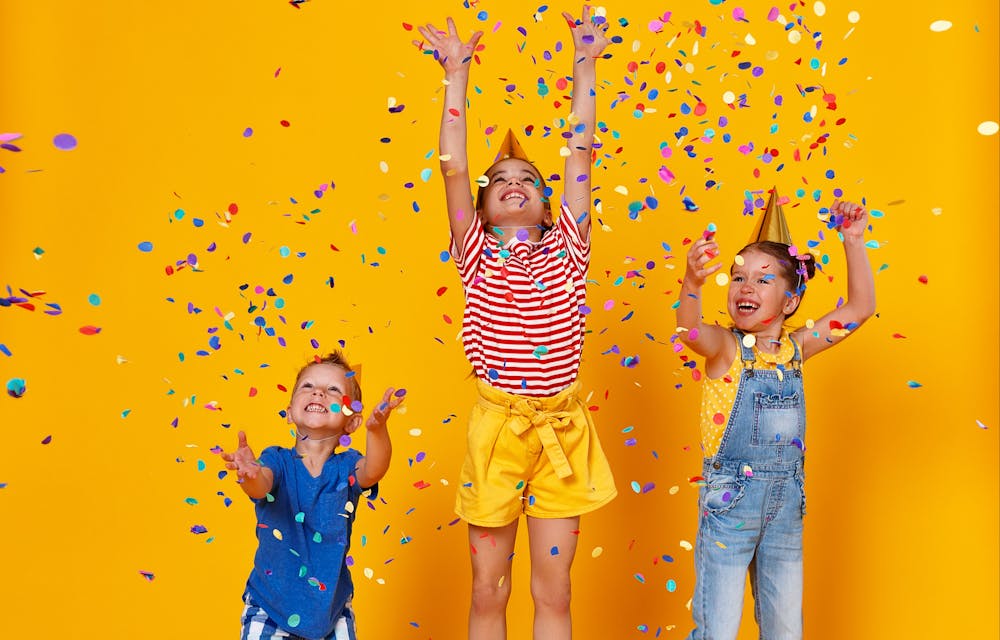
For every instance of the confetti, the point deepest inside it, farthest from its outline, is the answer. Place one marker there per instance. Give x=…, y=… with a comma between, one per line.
x=987, y=128
x=16, y=387
x=64, y=141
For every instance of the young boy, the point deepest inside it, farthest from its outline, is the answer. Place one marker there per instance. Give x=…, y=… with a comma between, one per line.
x=306, y=497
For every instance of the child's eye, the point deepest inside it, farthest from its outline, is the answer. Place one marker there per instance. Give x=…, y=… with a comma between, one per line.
x=498, y=179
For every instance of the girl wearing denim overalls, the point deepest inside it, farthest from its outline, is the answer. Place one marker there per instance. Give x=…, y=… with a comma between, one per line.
x=753, y=419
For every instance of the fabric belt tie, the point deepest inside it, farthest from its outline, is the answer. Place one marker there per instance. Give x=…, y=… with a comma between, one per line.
x=545, y=424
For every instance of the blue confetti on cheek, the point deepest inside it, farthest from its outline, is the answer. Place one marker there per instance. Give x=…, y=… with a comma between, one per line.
x=554, y=551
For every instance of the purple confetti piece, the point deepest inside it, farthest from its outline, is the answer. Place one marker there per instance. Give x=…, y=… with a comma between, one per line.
x=64, y=141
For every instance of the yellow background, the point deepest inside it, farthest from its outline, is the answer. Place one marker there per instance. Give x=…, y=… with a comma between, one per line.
x=902, y=532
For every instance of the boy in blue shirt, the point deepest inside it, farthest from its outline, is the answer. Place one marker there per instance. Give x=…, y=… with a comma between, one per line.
x=305, y=498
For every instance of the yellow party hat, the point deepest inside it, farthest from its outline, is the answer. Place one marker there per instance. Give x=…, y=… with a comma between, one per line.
x=772, y=225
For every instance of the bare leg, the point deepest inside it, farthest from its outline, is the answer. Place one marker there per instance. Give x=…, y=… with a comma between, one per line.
x=553, y=546
x=490, y=549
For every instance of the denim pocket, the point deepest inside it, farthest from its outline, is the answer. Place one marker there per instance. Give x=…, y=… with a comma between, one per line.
x=777, y=420
x=721, y=493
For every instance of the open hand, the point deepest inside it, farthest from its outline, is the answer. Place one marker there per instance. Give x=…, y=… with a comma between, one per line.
x=380, y=414
x=242, y=460
x=589, y=33
x=449, y=50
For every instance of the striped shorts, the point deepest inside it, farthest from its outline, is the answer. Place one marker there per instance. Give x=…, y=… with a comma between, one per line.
x=258, y=626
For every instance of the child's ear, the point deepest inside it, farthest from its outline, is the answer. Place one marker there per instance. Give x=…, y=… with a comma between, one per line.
x=288, y=414
x=353, y=423
x=791, y=304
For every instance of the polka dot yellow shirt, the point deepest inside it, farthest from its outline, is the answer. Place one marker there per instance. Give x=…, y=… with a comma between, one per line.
x=718, y=394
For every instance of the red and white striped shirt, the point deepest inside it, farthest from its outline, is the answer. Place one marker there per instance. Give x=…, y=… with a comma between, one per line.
x=523, y=324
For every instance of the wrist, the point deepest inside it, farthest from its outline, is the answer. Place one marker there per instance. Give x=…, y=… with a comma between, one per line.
x=691, y=284
x=460, y=74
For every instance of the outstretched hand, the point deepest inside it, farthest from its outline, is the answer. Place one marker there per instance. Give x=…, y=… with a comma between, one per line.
x=449, y=50
x=242, y=460
x=589, y=33
x=380, y=414
x=851, y=218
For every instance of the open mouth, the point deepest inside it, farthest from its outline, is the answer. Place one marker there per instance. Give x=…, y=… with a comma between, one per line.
x=513, y=195
x=315, y=407
x=745, y=307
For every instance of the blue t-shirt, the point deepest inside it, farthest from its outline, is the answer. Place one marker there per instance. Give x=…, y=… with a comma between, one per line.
x=300, y=576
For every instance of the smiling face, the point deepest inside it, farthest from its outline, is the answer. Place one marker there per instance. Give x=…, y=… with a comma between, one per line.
x=760, y=296
x=514, y=198
x=316, y=407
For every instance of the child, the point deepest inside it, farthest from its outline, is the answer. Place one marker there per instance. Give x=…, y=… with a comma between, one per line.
x=753, y=421
x=305, y=498
x=532, y=445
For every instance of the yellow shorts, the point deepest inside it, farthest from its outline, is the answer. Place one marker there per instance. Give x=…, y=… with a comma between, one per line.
x=537, y=456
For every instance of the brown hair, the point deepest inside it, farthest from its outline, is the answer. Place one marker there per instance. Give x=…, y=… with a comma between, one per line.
x=796, y=270
x=337, y=359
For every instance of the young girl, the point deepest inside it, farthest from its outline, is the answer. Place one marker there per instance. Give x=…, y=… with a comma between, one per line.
x=753, y=424
x=306, y=498
x=532, y=445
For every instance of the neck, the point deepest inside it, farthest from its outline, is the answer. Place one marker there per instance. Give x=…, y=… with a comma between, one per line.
x=305, y=436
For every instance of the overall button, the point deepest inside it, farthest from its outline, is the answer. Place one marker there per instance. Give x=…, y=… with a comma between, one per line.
x=716, y=465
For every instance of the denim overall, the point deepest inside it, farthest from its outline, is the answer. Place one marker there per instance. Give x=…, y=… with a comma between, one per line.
x=751, y=508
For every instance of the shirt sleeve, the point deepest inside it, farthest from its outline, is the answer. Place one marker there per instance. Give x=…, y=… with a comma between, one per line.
x=577, y=246
x=356, y=491
x=467, y=259
x=271, y=458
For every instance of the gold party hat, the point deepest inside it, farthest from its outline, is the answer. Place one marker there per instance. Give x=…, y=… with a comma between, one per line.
x=511, y=148
x=772, y=225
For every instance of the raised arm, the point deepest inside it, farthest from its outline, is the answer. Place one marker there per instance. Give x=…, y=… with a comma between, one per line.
x=378, y=446
x=708, y=340
x=255, y=480
x=589, y=41
x=833, y=327
x=455, y=57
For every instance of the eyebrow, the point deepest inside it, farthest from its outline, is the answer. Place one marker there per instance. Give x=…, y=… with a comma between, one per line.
x=526, y=172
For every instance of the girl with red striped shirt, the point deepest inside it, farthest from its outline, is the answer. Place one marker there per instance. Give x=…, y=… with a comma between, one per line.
x=532, y=445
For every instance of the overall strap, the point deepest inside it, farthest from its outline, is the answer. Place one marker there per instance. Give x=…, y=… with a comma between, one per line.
x=797, y=356
x=746, y=353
